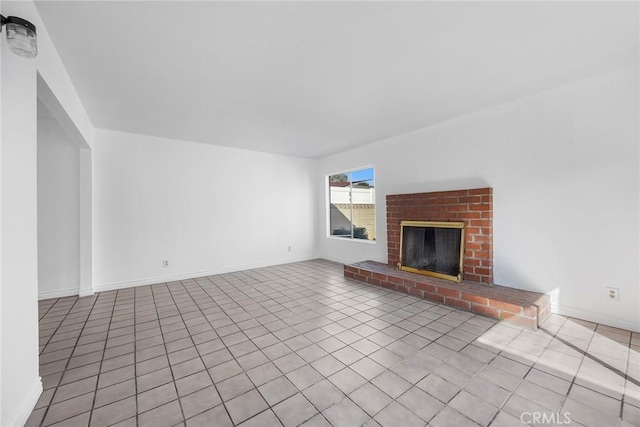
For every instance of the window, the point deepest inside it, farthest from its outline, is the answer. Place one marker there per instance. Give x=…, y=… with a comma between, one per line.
x=352, y=202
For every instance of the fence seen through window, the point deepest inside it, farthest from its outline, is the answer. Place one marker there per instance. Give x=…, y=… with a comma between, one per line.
x=352, y=198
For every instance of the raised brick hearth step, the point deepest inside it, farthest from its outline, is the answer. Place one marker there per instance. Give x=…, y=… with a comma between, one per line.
x=524, y=308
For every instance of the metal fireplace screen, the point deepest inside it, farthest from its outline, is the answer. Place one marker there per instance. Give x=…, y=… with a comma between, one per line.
x=432, y=248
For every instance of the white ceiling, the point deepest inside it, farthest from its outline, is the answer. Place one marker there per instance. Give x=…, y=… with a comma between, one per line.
x=315, y=78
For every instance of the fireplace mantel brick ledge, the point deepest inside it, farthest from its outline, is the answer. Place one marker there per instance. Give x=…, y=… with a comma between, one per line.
x=525, y=308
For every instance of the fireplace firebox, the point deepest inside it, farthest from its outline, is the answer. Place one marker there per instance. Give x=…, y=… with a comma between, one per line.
x=432, y=248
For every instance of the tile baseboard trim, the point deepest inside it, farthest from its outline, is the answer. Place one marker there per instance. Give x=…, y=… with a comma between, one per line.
x=59, y=293
x=595, y=317
x=86, y=292
x=21, y=417
x=192, y=275
x=344, y=261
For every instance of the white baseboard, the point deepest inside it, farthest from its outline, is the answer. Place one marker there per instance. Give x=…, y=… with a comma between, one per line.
x=58, y=293
x=65, y=293
x=21, y=417
x=596, y=317
x=86, y=292
x=191, y=275
x=344, y=261
x=335, y=259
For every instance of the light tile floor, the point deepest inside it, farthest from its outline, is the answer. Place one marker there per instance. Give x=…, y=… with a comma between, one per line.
x=299, y=344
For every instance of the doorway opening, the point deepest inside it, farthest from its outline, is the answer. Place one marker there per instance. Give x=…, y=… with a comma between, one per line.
x=64, y=202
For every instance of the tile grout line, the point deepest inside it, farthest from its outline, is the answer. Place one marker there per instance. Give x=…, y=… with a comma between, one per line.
x=395, y=309
x=164, y=285
x=270, y=407
x=575, y=376
x=626, y=376
x=113, y=357
x=104, y=349
x=231, y=319
x=364, y=355
x=135, y=349
x=226, y=347
x=59, y=325
x=511, y=392
x=44, y=416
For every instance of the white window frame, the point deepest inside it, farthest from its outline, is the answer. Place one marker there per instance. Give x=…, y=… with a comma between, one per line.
x=328, y=206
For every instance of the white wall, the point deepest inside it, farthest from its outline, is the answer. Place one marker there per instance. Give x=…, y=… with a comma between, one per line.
x=205, y=209
x=564, y=168
x=20, y=384
x=58, y=211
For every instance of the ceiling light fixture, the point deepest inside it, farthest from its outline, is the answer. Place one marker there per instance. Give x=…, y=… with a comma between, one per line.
x=21, y=36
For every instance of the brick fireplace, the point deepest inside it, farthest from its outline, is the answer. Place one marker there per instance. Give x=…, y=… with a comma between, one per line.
x=476, y=292
x=473, y=207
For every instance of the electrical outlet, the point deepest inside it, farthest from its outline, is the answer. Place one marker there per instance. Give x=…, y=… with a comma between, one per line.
x=165, y=263
x=613, y=295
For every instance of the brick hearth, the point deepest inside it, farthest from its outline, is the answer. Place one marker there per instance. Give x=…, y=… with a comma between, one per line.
x=524, y=308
